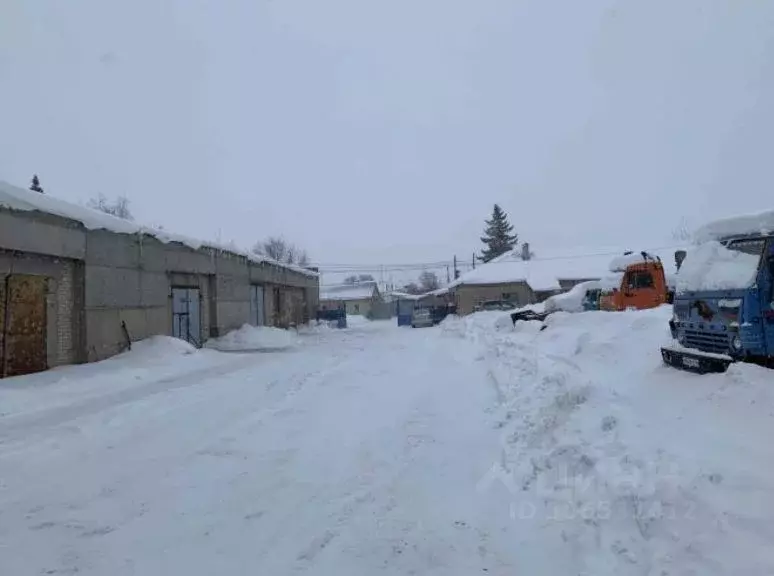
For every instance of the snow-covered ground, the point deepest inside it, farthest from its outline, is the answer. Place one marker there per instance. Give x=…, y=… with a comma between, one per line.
x=619, y=464
x=473, y=448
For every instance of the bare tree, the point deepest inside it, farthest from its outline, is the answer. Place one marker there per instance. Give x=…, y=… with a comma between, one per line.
x=428, y=281
x=682, y=232
x=279, y=249
x=119, y=208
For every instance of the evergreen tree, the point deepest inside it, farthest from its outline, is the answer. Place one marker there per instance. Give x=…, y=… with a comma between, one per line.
x=497, y=235
x=35, y=185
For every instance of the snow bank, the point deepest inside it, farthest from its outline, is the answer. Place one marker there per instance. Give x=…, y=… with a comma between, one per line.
x=711, y=266
x=747, y=224
x=149, y=363
x=317, y=327
x=635, y=467
x=253, y=339
x=356, y=320
x=21, y=199
x=158, y=347
x=571, y=301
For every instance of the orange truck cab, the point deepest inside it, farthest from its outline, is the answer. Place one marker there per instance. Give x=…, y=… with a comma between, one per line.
x=642, y=285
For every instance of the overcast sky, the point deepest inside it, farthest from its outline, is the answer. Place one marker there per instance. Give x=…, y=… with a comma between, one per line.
x=383, y=131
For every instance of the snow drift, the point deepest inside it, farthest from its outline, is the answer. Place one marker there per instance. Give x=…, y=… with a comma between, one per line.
x=618, y=465
x=253, y=339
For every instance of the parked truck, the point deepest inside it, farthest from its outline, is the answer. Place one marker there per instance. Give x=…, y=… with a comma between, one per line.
x=723, y=308
x=638, y=282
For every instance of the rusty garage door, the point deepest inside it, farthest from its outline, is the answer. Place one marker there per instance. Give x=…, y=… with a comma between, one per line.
x=22, y=325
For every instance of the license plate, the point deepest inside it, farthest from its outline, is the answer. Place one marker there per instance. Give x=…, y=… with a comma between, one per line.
x=690, y=362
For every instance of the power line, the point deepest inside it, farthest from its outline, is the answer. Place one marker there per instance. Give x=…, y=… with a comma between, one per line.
x=442, y=264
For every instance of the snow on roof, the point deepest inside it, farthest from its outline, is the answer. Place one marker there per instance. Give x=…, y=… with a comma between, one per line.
x=405, y=296
x=712, y=266
x=547, y=268
x=22, y=199
x=359, y=291
x=746, y=224
x=544, y=271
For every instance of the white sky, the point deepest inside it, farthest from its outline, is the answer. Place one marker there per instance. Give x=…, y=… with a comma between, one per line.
x=383, y=131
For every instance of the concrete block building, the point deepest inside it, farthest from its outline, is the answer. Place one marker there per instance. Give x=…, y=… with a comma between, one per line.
x=79, y=286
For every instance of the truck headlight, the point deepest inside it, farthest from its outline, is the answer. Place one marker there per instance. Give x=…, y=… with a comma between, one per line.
x=736, y=343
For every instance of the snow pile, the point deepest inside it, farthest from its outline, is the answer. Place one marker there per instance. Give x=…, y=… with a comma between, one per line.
x=158, y=347
x=618, y=465
x=26, y=200
x=571, y=301
x=356, y=320
x=146, y=366
x=316, y=327
x=253, y=339
x=712, y=266
x=747, y=224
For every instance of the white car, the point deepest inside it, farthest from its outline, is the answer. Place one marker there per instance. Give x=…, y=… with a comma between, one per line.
x=421, y=318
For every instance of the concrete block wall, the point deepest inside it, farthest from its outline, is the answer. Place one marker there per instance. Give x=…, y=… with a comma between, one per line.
x=99, y=279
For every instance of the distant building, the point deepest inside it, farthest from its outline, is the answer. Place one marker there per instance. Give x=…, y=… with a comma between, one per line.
x=360, y=298
x=78, y=285
x=550, y=272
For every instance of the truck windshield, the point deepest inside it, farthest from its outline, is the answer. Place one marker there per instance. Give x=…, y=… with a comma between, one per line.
x=751, y=247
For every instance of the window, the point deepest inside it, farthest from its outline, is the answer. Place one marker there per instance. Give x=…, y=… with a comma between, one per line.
x=636, y=280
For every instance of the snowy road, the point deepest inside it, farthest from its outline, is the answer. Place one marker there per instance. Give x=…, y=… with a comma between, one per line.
x=358, y=452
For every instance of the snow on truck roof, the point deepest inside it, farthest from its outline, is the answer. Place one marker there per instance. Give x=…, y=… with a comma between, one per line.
x=22, y=199
x=712, y=266
x=743, y=225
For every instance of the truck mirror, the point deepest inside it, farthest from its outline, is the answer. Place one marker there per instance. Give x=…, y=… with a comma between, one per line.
x=679, y=257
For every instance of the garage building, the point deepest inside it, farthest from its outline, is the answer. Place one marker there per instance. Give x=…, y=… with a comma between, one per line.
x=77, y=285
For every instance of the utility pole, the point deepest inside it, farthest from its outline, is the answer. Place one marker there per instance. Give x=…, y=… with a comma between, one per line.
x=456, y=272
x=447, y=274
x=474, y=260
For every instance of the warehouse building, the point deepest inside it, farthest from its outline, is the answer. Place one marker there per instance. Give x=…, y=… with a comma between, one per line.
x=78, y=285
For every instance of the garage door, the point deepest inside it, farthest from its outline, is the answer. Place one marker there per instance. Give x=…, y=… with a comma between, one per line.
x=22, y=325
x=186, y=317
x=257, y=312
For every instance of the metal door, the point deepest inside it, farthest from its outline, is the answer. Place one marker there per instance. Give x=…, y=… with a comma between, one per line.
x=277, y=307
x=257, y=312
x=23, y=325
x=186, y=315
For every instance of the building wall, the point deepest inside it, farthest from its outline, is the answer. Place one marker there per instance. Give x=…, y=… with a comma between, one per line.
x=361, y=307
x=468, y=296
x=99, y=280
x=134, y=286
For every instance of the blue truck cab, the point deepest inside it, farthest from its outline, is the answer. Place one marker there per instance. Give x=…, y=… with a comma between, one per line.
x=723, y=308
